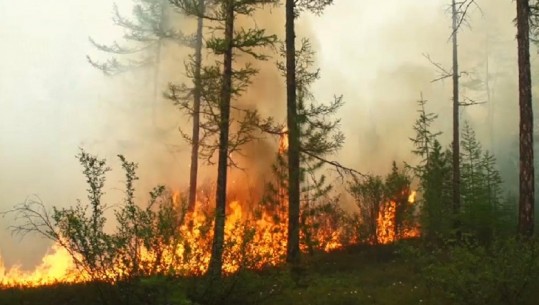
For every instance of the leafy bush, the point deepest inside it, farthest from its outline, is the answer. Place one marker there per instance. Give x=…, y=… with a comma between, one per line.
x=470, y=273
x=144, y=243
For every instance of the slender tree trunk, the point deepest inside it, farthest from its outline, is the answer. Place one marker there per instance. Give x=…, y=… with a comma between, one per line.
x=157, y=63
x=527, y=196
x=156, y=73
x=490, y=101
x=216, y=260
x=456, y=127
x=196, y=111
x=292, y=254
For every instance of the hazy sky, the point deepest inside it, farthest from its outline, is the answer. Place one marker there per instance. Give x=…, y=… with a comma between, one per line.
x=52, y=101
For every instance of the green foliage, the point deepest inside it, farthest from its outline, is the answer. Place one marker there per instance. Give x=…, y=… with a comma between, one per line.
x=398, y=191
x=470, y=273
x=370, y=197
x=375, y=195
x=116, y=256
x=424, y=139
x=320, y=136
x=483, y=214
x=244, y=123
x=435, y=202
x=480, y=188
x=434, y=173
x=242, y=288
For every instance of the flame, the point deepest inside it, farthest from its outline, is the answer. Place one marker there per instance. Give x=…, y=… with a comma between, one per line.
x=253, y=239
x=283, y=140
x=56, y=266
x=386, y=222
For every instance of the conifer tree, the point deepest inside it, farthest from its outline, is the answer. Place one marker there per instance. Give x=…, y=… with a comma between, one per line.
x=320, y=136
x=398, y=192
x=526, y=178
x=481, y=191
x=221, y=84
x=293, y=8
x=433, y=171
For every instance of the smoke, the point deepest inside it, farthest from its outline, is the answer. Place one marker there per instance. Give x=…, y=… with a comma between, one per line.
x=375, y=56
x=53, y=102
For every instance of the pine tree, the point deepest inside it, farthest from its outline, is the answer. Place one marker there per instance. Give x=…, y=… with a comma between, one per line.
x=221, y=84
x=526, y=179
x=292, y=9
x=189, y=98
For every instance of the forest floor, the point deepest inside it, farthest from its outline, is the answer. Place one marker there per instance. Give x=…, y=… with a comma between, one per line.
x=357, y=275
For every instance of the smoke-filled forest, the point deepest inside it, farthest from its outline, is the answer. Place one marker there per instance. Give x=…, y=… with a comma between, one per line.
x=171, y=152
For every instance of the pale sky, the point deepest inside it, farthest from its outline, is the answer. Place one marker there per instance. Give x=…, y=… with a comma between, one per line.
x=52, y=101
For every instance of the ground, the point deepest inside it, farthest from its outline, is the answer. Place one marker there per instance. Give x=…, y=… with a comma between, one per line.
x=357, y=275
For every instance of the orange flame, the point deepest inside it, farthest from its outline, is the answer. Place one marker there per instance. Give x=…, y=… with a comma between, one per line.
x=386, y=223
x=283, y=140
x=250, y=242
x=56, y=266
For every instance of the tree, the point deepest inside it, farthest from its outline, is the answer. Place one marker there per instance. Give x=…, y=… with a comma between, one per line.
x=370, y=196
x=434, y=173
x=424, y=138
x=143, y=244
x=456, y=137
x=459, y=12
x=481, y=189
x=436, y=187
x=189, y=98
x=193, y=176
x=145, y=35
x=398, y=191
x=319, y=136
x=526, y=177
x=292, y=9
x=220, y=84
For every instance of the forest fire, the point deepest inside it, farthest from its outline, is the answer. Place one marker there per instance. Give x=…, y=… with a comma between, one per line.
x=253, y=240
x=387, y=232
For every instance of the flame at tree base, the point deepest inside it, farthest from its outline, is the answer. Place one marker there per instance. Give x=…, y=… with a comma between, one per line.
x=253, y=240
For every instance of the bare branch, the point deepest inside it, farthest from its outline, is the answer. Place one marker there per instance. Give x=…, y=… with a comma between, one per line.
x=341, y=169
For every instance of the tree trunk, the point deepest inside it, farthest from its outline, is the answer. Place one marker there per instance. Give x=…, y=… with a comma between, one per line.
x=527, y=196
x=157, y=64
x=216, y=260
x=196, y=111
x=292, y=254
x=456, y=128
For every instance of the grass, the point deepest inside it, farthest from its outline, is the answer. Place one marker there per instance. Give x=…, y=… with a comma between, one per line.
x=356, y=275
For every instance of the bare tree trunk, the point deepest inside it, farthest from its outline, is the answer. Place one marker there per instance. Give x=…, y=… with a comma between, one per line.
x=196, y=111
x=292, y=254
x=527, y=196
x=456, y=127
x=216, y=260
x=157, y=63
